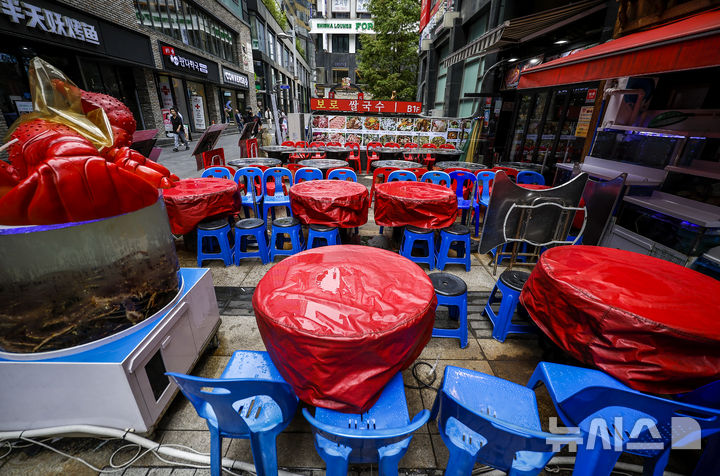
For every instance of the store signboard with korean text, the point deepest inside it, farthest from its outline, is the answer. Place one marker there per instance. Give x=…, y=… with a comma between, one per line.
x=235, y=78
x=54, y=23
x=175, y=59
x=374, y=107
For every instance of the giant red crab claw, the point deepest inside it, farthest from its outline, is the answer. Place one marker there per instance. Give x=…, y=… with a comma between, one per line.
x=150, y=171
x=9, y=177
x=75, y=189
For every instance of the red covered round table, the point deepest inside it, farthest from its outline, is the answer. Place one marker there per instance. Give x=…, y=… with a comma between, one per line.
x=340, y=321
x=330, y=202
x=190, y=201
x=649, y=323
x=421, y=204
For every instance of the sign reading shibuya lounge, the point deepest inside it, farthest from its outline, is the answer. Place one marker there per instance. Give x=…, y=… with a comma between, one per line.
x=179, y=60
x=235, y=78
x=356, y=105
x=335, y=25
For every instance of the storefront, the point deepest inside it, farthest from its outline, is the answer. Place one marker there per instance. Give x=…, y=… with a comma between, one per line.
x=233, y=93
x=96, y=55
x=188, y=83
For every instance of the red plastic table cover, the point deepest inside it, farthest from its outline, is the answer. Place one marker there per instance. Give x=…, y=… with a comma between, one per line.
x=190, y=201
x=421, y=204
x=650, y=323
x=330, y=202
x=340, y=321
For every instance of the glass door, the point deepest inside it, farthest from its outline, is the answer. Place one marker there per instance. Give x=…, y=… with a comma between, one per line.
x=520, y=125
x=534, y=126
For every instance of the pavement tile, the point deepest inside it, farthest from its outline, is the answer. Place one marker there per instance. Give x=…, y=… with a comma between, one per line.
x=447, y=348
x=185, y=472
x=256, y=273
x=520, y=347
x=236, y=333
x=295, y=450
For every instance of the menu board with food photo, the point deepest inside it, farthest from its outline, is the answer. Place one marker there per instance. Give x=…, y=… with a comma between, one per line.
x=437, y=139
x=367, y=138
x=320, y=122
x=319, y=136
x=336, y=122
x=439, y=125
x=336, y=137
x=422, y=125
x=353, y=137
x=371, y=124
x=354, y=123
x=388, y=124
x=406, y=124
x=402, y=140
x=454, y=124
x=423, y=139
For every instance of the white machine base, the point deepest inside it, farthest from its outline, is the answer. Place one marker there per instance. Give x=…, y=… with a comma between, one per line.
x=118, y=381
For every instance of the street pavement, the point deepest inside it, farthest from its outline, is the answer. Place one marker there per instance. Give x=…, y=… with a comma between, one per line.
x=183, y=164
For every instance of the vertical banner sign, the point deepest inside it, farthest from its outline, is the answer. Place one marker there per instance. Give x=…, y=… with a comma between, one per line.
x=166, y=120
x=583, y=124
x=198, y=112
x=166, y=94
x=424, y=14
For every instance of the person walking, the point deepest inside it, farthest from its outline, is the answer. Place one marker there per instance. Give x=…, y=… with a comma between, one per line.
x=178, y=129
x=239, y=120
x=283, y=125
x=268, y=116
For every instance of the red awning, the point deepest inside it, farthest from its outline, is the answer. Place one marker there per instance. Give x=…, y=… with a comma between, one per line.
x=690, y=43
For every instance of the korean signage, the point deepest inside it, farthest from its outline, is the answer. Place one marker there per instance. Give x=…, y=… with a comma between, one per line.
x=179, y=60
x=235, y=78
x=166, y=93
x=583, y=124
x=403, y=130
x=33, y=16
x=335, y=25
x=368, y=107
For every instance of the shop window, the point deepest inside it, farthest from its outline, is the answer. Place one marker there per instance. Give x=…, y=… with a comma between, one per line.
x=340, y=43
x=442, y=77
x=470, y=84
x=339, y=74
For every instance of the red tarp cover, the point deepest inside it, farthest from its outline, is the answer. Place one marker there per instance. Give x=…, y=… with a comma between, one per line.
x=421, y=204
x=190, y=201
x=340, y=321
x=649, y=323
x=330, y=202
x=691, y=43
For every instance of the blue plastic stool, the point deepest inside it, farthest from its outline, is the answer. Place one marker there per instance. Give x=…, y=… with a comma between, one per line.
x=457, y=237
x=244, y=229
x=510, y=284
x=421, y=236
x=217, y=228
x=285, y=226
x=451, y=291
x=330, y=234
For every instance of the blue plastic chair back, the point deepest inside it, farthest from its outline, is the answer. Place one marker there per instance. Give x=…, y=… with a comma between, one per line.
x=492, y=421
x=486, y=177
x=529, y=176
x=217, y=172
x=401, y=176
x=460, y=177
x=278, y=175
x=342, y=174
x=308, y=173
x=250, y=175
x=382, y=433
x=437, y=177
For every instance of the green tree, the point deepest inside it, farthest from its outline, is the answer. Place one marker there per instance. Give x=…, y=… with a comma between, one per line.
x=388, y=60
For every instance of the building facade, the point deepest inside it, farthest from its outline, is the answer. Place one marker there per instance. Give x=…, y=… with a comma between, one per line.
x=280, y=69
x=336, y=27
x=191, y=54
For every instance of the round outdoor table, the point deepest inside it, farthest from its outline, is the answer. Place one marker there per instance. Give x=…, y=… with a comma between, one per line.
x=520, y=166
x=463, y=165
x=389, y=153
x=442, y=155
x=340, y=321
x=335, y=152
x=647, y=322
x=330, y=202
x=398, y=164
x=275, y=151
x=254, y=162
x=421, y=204
x=324, y=164
x=190, y=201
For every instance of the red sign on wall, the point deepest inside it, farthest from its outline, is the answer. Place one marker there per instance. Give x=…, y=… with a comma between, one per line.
x=590, y=96
x=368, y=107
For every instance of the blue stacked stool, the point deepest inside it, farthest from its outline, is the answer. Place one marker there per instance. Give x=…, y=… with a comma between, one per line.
x=285, y=226
x=451, y=292
x=330, y=234
x=456, y=237
x=423, y=237
x=244, y=231
x=215, y=232
x=510, y=284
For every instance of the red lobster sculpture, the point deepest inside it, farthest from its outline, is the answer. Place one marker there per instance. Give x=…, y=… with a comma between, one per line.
x=56, y=175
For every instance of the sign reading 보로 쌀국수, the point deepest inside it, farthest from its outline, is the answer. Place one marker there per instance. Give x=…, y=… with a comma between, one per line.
x=338, y=25
x=361, y=106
